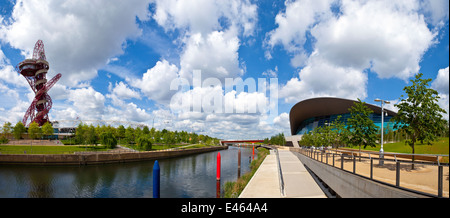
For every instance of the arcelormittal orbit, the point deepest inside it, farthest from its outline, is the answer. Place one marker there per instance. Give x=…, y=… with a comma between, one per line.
x=35, y=71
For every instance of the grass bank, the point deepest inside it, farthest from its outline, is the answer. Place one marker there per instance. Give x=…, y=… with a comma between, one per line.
x=234, y=189
x=47, y=149
x=70, y=149
x=439, y=147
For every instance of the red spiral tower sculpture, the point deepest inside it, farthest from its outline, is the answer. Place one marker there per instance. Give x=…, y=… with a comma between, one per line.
x=35, y=72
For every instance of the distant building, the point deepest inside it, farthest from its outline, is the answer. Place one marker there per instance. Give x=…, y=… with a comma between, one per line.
x=315, y=112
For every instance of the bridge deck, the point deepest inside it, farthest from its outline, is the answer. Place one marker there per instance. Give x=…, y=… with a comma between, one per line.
x=298, y=183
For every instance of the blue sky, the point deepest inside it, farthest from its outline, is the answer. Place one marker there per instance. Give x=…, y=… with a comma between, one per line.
x=118, y=58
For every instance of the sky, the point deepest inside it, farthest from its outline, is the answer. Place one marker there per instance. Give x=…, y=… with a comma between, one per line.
x=182, y=64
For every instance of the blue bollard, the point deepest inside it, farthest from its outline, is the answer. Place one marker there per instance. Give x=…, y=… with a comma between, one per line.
x=156, y=179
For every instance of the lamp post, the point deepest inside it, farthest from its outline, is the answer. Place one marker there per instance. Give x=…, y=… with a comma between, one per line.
x=382, y=121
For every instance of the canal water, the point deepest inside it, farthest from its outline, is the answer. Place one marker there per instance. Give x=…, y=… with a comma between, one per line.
x=191, y=176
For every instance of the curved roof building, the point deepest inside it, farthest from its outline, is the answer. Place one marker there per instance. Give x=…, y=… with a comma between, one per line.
x=312, y=113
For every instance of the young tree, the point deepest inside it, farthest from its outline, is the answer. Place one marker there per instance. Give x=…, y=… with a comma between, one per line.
x=47, y=129
x=7, y=128
x=34, y=131
x=18, y=130
x=79, y=134
x=129, y=135
x=362, y=129
x=90, y=135
x=340, y=132
x=419, y=115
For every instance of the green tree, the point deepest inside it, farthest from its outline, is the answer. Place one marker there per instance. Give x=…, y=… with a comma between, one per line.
x=108, y=139
x=362, y=129
x=146, y=130
x=143, y=142
x=419, y=115
x=47, y=129
x=90, y=135
x=340, y=133
x=80, y=134
x=129, y=135
x=7, y=128
x=34, y=131
x=18, y=130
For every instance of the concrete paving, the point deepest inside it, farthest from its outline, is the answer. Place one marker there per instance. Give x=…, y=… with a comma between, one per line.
x=298, y=183
x=265, y=183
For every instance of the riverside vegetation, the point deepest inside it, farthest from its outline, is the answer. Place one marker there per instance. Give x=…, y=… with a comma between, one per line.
x=234, y=189
x=88, y=138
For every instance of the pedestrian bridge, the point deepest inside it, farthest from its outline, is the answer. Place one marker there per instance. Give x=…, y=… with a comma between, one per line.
x=232, y=142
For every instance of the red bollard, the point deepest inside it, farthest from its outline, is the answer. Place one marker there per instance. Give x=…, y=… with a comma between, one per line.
x=218, y=167
x=253, y=154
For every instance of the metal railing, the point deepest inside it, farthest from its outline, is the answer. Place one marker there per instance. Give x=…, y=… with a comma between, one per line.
x=280, y=173
x=323, y=156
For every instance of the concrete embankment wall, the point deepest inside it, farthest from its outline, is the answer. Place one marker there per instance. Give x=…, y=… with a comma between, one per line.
x=99, y=158
x=349, y=185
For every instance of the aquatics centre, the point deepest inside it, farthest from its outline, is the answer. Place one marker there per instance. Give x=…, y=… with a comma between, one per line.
x=309, y=114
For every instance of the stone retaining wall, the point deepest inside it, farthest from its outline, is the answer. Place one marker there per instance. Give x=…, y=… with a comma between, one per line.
x=99, y=158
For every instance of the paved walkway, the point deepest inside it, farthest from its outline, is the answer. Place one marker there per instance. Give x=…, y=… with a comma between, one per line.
x=266, y=183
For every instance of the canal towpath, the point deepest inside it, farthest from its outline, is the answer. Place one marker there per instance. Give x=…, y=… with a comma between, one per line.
x=286, y=178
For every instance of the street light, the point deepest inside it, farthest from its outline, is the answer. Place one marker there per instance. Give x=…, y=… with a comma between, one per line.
x=382, y=121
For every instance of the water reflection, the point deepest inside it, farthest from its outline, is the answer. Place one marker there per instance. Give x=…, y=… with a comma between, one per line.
x=184, y=177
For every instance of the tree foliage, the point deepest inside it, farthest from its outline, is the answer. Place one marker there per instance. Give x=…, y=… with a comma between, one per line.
x=278, y=139
x=332, y=134
x=47, y=129
x=18, y=130
x=419, y=114
x=362, y=129
x=108, y=139
x=34, y=131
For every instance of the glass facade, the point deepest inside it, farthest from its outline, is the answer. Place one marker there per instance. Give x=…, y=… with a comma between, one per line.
x=314, y=122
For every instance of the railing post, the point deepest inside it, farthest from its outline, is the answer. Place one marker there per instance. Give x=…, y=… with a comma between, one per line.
x=354, y=164
x=440, y=178
x=342, y=161
x=333, y=159
x=371, y=168
x=397, y=174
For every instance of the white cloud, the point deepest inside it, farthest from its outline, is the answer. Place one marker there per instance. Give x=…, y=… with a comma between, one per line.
x=362, y=37
x=282, y=121
x=122, y=91
x=89, y=104
x=127, y=112
x=441, y=82
x=209, y=33
x=321, y=78
x=294, y=23
x=79, y=36
x=215, y=54
x=375, y=35
x=203, y=16
x=436, y=11
x=9, y=74
x=155, y=83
